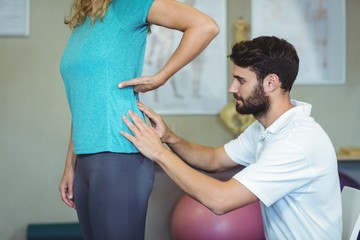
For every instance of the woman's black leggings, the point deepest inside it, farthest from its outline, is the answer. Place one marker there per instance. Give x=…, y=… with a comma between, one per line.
x=111, y=192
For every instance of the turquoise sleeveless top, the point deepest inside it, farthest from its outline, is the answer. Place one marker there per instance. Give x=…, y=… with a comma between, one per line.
x=97, y=57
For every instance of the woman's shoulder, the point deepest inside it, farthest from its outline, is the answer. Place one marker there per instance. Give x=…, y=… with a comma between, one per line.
x=131, y=4
x=131, y=7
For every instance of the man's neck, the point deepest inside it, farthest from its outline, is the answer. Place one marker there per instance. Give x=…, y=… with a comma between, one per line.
x=277, y=109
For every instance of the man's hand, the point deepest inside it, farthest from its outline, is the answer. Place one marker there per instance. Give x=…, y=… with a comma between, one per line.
x=157, y=122
x=144, y=137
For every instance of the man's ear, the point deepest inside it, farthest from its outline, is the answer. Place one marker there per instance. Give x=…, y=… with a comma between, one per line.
x=271, y=82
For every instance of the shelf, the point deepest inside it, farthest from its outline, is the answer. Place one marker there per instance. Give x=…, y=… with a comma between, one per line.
x=352, y=158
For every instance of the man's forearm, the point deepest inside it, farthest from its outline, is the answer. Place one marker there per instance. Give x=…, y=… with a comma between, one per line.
x=196, y=155
x=219, y=196
x=199, y=186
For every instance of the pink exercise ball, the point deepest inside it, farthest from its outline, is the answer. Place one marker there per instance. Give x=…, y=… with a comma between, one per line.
x=193, y=221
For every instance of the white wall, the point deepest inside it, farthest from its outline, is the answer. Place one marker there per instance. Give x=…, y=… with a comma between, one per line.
x=34, y=121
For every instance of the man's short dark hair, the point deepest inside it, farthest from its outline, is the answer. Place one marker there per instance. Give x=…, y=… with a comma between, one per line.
x=265, y=55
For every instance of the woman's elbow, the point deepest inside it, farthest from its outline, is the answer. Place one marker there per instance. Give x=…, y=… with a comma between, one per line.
x=206, y=27
x=211, y=28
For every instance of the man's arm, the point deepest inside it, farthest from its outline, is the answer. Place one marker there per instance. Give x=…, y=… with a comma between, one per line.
x=211, y=159
x=220, y=197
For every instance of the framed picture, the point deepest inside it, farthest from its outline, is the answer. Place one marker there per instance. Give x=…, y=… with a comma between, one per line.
x=198, y=88
x=317, y=30
x=14, y=18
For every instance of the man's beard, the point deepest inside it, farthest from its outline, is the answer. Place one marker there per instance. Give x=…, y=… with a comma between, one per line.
x=257, y=104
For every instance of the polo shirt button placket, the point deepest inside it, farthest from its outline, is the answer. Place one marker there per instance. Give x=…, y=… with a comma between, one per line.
x=260, y=143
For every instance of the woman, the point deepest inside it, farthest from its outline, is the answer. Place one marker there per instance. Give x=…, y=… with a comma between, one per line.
x=105, y=176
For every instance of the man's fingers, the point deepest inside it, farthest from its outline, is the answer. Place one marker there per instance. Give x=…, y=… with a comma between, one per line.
x=130, y=125
x=151, y=114
x=136, y=126
x=137, y=120
x=144, y=108
x=128, y=136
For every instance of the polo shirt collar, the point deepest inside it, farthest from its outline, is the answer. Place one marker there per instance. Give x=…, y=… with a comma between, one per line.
x=299, y=109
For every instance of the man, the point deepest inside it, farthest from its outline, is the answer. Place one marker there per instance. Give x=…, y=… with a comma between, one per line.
x=291, y=165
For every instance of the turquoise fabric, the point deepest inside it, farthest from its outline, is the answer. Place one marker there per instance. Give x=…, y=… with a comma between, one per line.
x=97, y=57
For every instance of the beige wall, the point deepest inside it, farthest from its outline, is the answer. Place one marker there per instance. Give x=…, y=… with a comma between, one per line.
x=34, y=122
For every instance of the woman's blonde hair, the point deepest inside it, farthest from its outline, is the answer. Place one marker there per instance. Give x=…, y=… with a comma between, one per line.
x=81, y=9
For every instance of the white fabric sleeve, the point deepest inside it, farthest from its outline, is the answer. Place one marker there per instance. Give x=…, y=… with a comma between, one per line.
x=280, y=169
x=242, y=149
